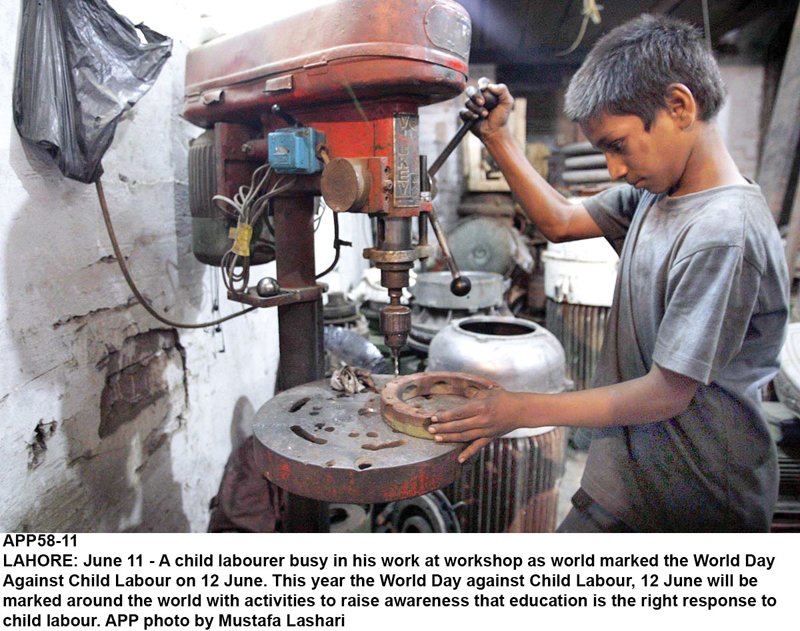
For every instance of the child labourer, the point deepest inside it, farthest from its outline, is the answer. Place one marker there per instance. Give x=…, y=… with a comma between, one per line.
x=700, y=306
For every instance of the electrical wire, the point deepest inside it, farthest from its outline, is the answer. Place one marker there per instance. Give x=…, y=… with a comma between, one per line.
x=337, y=246
x=591, y=11
x=320, y=213
x=124, y=269
x=250, y=207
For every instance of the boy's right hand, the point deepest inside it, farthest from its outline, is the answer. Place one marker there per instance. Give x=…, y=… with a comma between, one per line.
x=489, y=122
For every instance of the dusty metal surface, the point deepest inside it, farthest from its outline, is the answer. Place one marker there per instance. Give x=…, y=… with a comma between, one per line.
x=335, y=448
x=407, y=403
x=512, y=485
x=367, y=49
x=580, y=329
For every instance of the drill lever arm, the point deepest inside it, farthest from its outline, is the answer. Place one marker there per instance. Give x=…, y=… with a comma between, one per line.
x=490, y=102
x=291, y=120
x=461, y=285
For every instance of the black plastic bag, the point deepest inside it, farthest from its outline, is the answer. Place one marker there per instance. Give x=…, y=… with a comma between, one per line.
x=80, y=65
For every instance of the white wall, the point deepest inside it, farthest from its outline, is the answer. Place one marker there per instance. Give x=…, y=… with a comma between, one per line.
x=740, y=117
x=69, y=323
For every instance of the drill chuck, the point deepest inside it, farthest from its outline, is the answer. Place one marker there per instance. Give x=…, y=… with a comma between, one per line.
x=395, y=322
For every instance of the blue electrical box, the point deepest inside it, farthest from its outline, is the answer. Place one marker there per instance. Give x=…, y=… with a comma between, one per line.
x=294, y=150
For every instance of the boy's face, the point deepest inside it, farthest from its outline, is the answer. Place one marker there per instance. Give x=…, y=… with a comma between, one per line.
x=654, y=159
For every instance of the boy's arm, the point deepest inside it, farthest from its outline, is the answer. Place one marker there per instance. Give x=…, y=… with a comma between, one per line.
x=659, y=395
x=553, y=215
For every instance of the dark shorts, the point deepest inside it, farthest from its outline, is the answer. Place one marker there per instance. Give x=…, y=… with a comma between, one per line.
x=588, y=516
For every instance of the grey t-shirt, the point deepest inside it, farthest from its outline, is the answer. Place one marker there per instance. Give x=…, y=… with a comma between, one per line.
x=702, y=290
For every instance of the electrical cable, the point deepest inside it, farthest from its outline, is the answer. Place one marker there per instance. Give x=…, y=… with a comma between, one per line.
x=319, y=214
x=578, y=39
x=245, y=200
x=591, y=11
x=124, y=269
x=336, y=244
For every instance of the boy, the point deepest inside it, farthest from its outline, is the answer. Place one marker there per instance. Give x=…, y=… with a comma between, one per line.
x=700, y=305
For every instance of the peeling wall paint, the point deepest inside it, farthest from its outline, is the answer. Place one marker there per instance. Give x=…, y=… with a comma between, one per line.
x=137, y=375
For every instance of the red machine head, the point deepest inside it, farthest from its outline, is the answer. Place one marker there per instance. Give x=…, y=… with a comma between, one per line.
x=347, y=79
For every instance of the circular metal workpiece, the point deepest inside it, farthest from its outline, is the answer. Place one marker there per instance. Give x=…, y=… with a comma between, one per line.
x=407, y=403
x=324, y=445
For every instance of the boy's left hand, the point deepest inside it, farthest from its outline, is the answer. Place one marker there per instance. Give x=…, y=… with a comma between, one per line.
x=479, y=421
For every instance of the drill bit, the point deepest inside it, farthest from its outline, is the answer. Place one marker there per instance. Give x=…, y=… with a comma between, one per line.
x=396, y=357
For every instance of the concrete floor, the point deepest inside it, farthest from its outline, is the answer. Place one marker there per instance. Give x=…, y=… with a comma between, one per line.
x=573, y=470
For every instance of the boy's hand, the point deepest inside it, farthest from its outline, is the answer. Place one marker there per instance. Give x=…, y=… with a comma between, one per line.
x=489, y=121
x=480, y=421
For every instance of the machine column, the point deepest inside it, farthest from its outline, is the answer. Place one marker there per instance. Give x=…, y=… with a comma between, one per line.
x=299, y=329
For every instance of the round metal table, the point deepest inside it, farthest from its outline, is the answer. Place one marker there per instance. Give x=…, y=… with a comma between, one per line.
x=332, y=447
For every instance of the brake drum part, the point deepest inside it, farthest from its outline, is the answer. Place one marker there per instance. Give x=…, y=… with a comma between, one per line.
x=408, y=403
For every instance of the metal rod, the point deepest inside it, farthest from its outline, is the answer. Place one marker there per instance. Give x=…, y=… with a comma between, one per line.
x=448, y=256
x=490, y=102
x=460, y=286
x=454, y=142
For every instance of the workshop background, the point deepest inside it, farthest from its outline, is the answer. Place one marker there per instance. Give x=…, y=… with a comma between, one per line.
x=114, y=422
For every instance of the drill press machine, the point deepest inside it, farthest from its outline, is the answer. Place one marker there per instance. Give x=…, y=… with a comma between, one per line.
x=329, y=101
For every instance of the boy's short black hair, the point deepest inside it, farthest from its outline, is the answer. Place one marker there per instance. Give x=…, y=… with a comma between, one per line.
x=630, y=68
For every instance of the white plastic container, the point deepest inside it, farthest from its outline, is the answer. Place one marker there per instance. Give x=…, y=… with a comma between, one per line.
x=581, y=272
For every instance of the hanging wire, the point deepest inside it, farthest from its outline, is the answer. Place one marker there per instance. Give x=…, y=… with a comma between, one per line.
x=215, y=310
x=250, y=207
x=124, y=269
x=320, y=213
x=337, y=244
x=591, y=11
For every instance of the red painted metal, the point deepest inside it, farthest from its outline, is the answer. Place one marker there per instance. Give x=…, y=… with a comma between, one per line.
x=346, y=69
x=354, y=51
x=321, y=444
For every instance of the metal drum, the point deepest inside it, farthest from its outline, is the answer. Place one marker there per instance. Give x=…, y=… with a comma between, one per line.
x=579, y=284
x=435, y=306
x=512, y=484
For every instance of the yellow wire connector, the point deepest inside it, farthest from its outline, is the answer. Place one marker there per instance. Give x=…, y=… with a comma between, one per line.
x=241, y=235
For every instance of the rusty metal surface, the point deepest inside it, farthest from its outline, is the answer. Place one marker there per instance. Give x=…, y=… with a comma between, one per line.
x=407, y=403
x=346, y=184
x=377, y=48
x=512, y=484
x=580, y=329
x=406, y=161
x=300, y=332
x=285, y=297
x=333, y=448
x=392, y=256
